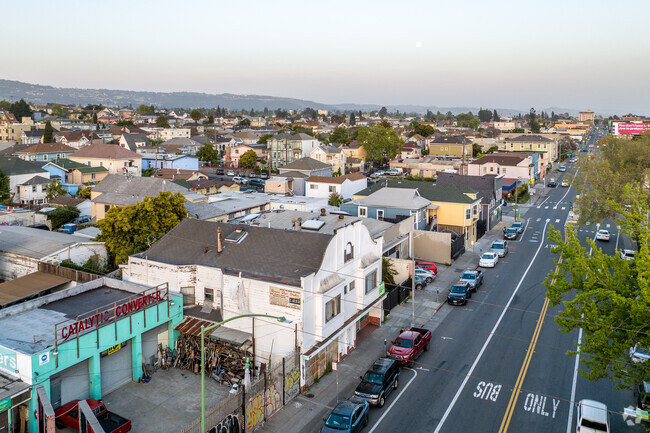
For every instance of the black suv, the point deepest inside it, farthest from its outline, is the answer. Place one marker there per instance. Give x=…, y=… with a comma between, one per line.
x=459, y=293
x=378, y=382
x=642, y=393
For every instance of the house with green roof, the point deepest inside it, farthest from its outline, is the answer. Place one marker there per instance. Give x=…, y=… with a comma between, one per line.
x=458, y=206
x=88, y=175
x=60, y=169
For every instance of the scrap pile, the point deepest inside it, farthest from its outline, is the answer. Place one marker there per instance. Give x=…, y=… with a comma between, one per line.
x=223, y=362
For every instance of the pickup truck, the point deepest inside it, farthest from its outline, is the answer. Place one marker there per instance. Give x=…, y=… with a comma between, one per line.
x=68, y=416
x=409, y=346
x=474, y=278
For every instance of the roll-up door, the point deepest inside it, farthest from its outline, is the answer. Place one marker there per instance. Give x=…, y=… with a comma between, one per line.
x=116, y=367
x=150, y=340
x=73, y=383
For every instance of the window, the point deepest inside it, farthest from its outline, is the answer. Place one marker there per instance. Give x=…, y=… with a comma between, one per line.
x=380, y=214
x=345, y=289
x=349, y=252
x=332, y=308
x=504, y=171
x=332, y=188
x=33, y=188
x=45, y=157
x=512, y=145
x=491, y=168
x=371, y=281
x=313, y=186
x=468, y=213
x=475, y=210
x=363, y=211
x=209, y=295
x=351, y=286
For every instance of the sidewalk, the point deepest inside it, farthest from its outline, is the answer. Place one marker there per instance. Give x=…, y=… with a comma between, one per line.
x=306, y=411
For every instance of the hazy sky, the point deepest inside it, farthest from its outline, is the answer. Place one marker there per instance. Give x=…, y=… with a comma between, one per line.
x=515, y=54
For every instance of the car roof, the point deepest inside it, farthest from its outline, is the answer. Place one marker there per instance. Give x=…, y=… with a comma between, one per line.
x=594, y=410
x=345, y=407
x=460, y=283
x=381, y=365
x=603, y=231
x=498, y=242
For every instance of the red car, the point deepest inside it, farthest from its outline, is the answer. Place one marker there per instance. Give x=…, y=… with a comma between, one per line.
x=409, y=346
x=68, y=416
x=427, y=265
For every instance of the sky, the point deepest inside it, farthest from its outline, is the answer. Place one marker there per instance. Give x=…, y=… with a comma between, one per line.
x=575, y=54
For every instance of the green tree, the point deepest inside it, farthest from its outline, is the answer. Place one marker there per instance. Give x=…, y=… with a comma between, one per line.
x=383, y=111
x=148, y=172
x=207, y=153
x=493, y=149
x=353, y=119
x=534, y=124
x=476, y=150
x=492, y=132
x=248, y=159
x=388, y=271
x=209, y=120
x=162, y=121
x=5, y=105
x=424, y=130
x=144, y=109
x=335, y=199
x=54, y=189
x=84, y=193
x=518, y=130
x=57, y=110
x=62, y=215
x=244, y=122
x=4, y=187
x=130, y=122
x=467, y=120
x=131, y=229
x=606, y=296
x=567, y=146
x=94, y=119
x=48, y=133
x=339, y=135
x=380, y=142
x=484, y=115
x=196, y=115
x=264, y=139
x=20, y=109
x=495, y=116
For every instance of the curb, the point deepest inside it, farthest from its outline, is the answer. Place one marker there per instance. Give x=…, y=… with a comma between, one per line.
x=439, y=307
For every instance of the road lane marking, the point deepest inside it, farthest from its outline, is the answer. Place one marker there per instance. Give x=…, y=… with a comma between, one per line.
x=487, y=391
x=540, y=205
x=569, y=422
x=607, y=225
x=563, y=208
x=394, y=401
x=545, y=207
x=536, y=403
x=487, y=341
x=557, y=221
x=618, y=235
x=538, y=220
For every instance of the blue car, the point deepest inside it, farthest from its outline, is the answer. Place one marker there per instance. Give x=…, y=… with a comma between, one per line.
x=349, y=416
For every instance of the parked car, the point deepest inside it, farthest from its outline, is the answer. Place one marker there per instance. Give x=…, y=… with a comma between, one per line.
x=349, y=416
x=241, y=173
x=426, y=274
x=459, y=293
x=510, y=234
x=420, y=282
x=627, y=254
x=473, y=277
x=240, y=180
x=519, y=226
x=638, y=354
x=82, y=219
x=395, y=172
x=410, y=345
x=488, y=260
x=551, y=184
x=427, y=265
x=378, y=173
x=602, y=235
x=252, y=174
x=565, y=184
x=499, y=247
x=68, y=416
x=592, y=417
x=378, y=382
x=562, y=168
x=642, y=393
x=264, y=175
x=256, y=182
x=231, y=173
x=220, y=171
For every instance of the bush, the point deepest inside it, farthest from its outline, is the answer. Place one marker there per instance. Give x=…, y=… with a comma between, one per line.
x=62, y=215
x=94, y=265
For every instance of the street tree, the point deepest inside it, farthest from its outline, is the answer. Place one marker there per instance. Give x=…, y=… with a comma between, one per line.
x=131, y=229
x=196, y=115
x=248, y=159
x=380, y=142
x=567, y=146
x=144, y=109
x=339, y=135
x=606, y=296
x=48, y=133
x=162, y=121
x=54, y=189
x=57, y=110
x=207, y=153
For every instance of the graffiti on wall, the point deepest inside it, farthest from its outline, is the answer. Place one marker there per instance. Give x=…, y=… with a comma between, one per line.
x=291, y=384
x=229, y=424
x=269, y=400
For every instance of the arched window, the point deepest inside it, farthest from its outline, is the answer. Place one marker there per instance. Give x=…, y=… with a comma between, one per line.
x=349, y=252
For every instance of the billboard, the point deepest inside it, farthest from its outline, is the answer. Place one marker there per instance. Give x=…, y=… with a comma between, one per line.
x=632, y=128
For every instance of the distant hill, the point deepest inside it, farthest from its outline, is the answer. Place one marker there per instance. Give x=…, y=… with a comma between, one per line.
x=39, y=94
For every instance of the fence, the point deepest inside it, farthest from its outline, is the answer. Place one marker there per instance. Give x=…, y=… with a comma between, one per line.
x=249, y=408
x=72, y=274
x=395, y=295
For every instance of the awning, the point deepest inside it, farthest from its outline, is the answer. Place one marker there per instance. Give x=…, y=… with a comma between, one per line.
x=29, y=286
x=508, y=184
x=192, y=326
x=232, y=336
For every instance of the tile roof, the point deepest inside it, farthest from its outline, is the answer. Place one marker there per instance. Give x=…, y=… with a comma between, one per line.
x=337, y=179
x=294, y=254
x=108, y=151
x=47, y=148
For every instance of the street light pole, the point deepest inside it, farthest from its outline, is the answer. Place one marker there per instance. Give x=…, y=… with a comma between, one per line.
x=208, y=329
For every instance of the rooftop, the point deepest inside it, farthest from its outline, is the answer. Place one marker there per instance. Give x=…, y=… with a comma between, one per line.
x=108, y=151
x=35, y=243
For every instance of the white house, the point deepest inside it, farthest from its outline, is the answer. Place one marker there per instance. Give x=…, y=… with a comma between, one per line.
x=20, y=172
x=346, y=186
x=328, y=285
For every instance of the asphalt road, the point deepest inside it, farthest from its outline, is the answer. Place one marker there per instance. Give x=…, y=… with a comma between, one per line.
x=499, y=363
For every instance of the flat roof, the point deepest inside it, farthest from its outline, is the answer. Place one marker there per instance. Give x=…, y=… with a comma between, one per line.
x=10, y=387
x=31, y=285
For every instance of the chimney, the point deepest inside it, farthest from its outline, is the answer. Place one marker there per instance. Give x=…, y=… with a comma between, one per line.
x=322, y=212
x=205, y=250
x=219, y=241
x=340, y=217
x=299, y=224
x=293, y=223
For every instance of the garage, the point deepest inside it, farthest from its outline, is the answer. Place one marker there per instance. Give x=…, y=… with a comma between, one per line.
x=73, y=383
x=115, y=364
x=150, y=341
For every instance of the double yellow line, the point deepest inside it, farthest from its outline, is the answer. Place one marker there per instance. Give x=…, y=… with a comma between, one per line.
x=524, y=367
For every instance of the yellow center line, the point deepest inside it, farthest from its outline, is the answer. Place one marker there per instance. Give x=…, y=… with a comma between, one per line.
x=524, y=367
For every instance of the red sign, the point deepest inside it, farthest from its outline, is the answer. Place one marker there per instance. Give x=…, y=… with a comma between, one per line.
x=123, y=309
x=633, y=128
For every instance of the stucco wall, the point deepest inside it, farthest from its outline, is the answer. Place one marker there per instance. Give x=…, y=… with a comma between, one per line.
x=433, y=246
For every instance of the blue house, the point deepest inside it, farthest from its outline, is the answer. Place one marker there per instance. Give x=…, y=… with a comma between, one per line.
x=46, y=152
x=392, y=205
x=161, y=160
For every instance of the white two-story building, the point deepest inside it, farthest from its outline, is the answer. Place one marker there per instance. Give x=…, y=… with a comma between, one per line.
x=346, y=186
x=328, y=285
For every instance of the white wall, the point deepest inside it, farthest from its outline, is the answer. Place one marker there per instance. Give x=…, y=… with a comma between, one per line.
x=351, y=187
x=320, y=189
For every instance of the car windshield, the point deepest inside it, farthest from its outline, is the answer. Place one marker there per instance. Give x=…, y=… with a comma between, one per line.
x=629, y=253
x=338, y=421
x=403, y=342
x=516, y=225
x=487, y=256
x=467, y=276
x=458, y=289
x=373, y=377
x=497, y=246
x=598, y=426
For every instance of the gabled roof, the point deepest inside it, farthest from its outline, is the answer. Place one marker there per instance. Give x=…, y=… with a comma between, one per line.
x=13, y=166
x=295, y=254
x=337, y=179
x=117, y=189
x=46, y=148
x=488, y=186
x=330, y=149
x=453, y=139
x=530, y=139
x=132, y=140
x=36, y=180
x=67, y=164
x=510, y=159
x=86, y=169
x=181, y=141
x=207, y=183
x=400, y=198
x=435, y=192
x=107, y=151
x=305, y=163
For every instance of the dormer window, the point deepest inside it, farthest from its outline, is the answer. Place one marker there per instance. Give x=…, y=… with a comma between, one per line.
x=349, y=252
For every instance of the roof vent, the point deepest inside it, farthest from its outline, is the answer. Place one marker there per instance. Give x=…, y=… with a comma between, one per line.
x=237, y=236
x=313, y=225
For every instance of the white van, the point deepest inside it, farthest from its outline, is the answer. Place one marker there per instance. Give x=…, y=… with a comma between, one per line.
x=592, y=417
